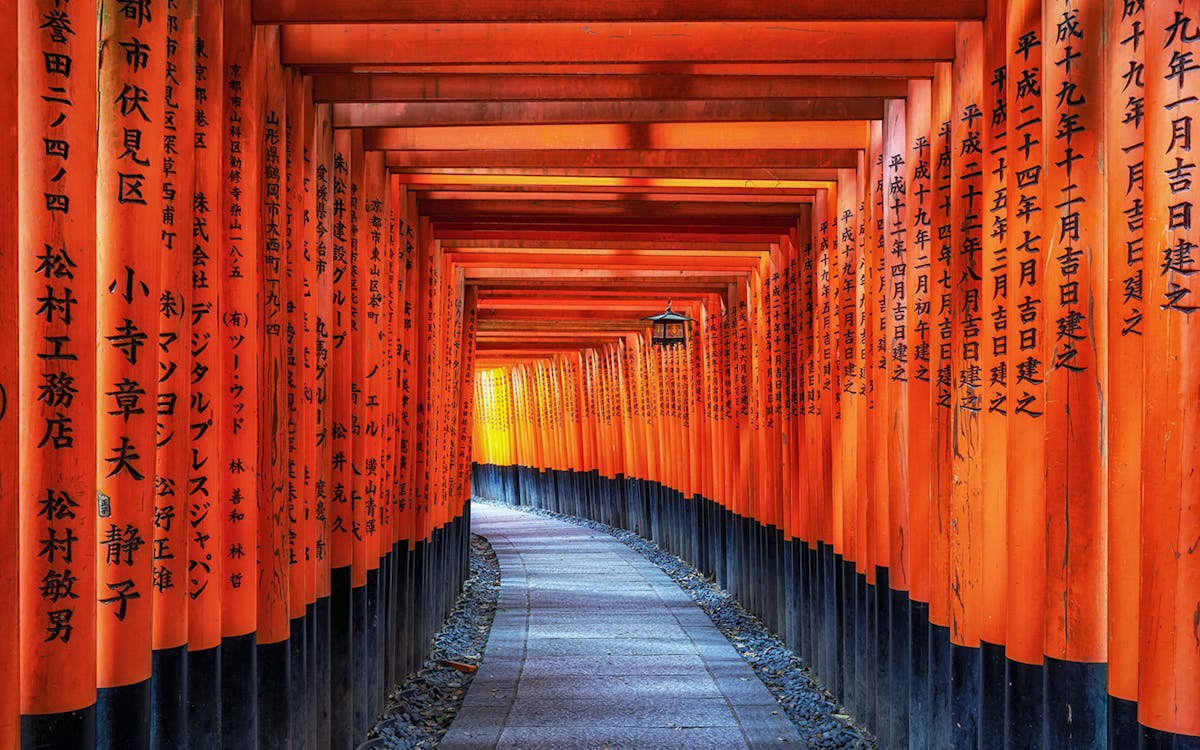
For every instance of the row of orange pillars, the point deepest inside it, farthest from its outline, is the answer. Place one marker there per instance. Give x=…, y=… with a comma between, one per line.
x=945, y=440
x=234, y=414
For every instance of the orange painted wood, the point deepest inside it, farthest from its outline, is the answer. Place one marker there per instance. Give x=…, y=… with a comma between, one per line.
x=10, y=649
x=825, y=318
x=1169, y=679
x=273, y=526
x=323, y=343
x=1027, y=393
x=844, y=428
x=1075, y=293
x=239, y=334
x=941, y=346
x=205, y=518
x=128, y=238
x=170, y=526
x=492, y=44
x=626, y=158
x=875, y=360
x=420, y=87
x=488, y=113
x=669, y=136
x=1125, y=151
x=920, y=332
x=409, y=11
x=996, y=315
x=362, y=350
x=967, y=381
x=341, y=357
x=299, y=271
x=896, y=348
x=57, y=483
x=372, y=255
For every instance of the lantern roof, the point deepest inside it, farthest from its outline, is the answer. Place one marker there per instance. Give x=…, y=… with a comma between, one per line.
x=669, y=316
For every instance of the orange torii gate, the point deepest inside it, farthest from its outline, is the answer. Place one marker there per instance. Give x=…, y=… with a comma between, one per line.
x=936, y=423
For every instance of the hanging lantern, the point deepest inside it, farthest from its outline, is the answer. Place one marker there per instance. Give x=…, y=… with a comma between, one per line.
x=669, y=328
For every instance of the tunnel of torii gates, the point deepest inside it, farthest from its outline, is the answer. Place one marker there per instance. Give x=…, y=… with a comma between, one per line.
x=286, y=279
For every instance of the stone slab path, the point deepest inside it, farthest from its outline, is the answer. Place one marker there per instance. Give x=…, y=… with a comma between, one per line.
x=593, y=647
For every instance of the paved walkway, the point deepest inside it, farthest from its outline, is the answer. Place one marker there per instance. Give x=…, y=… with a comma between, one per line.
x=594, y=647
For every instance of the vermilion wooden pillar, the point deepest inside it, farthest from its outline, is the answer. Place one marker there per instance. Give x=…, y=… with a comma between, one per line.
x=1169, y=679
x=357, y=486
x=10, y=686
x=239, y=337
x=1027, y=391
x=341, y=480
x=56, y=401
x=1126, y=156
x=964, y=532
x=323, y=237
x=169, y=715
x=273, y=585
x=205, y=519
x=10, y=267
x=919, y=332
x=370, y=357
x=1075, y=326
x=941, y=331
x=899, y=259
x=128, y=228
x=995, y=373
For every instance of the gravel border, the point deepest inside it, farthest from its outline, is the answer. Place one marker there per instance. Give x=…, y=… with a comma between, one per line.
x=821, y=721
x=421, y=708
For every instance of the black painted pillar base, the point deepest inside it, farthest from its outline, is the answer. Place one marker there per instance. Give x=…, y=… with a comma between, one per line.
x=341, y=659
x=299, y=679
x=901, y=656
x=1156, y=739
x=274, y=696
x=964, y=695
x=991, y=696
x=168, y=699
x=239, y=692
x=123, y=717
x=1023, y=706
x=204, y=698
x=322, y=674
x=70, y=730
x=1076, y=704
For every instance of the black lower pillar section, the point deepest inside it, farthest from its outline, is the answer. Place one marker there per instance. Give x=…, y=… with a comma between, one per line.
x=1023, y=706
x=964, y=695
x=321, y=674
x=168, y=699
x=204, y=698
x=1076, y=701
x=299, y=681
x=70, y=730
x=940, y=697
x=362, y=717
x=239, y=692
x=918, y=677
x=901, y=654
x=123, y=717
x=991, y=696
x=274, y=712
x=1122, y=723
x=879, y=687
x=374, y=692
x=341, y=660
x=1156, y=739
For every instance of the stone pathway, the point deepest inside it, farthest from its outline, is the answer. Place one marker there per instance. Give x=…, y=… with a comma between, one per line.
x=594, y=647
